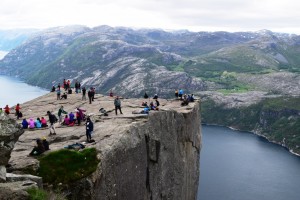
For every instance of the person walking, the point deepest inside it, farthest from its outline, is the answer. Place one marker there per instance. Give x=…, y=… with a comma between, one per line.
x=117, y=103
x=52, y=121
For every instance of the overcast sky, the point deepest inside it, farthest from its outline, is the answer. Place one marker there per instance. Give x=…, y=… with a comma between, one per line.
x=194, y=15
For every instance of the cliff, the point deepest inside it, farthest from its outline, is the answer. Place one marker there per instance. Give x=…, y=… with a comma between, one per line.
x=153, y=156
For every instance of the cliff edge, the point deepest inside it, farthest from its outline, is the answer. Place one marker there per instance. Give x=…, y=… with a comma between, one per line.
x=153, y=156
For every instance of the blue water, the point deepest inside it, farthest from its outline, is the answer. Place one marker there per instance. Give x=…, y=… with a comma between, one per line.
x=14, y=91
x=236, y=165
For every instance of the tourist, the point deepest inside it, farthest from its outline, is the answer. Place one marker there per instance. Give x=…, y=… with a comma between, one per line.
x=176, y=94
x=44, y=122
x=53, y=89
x=117, y=103
x=39, y=149
x=52, y=121
x=31, y=123
x=157, y=103
x=83, y=94
x=89, y=129
x=60, y=112
x=58, y=93
x=71, y=117
x=155, y=96
x=146, y=95
x=64, y=96
x=111, y=94
x=24, y=124
x=79, y=115
x=180, y=94
x=38, y=123
x=66, y=120
x=45, y=144
x=17, y=109
x=90, y=95
x=7, y=109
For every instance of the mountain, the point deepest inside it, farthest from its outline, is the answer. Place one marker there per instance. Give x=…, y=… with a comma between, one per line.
x=134, y=61
x=10, y=39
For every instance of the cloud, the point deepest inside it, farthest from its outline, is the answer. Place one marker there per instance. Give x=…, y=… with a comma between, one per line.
x=229, y=15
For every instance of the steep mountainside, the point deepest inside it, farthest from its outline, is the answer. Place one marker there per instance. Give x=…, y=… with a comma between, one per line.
x=10, y=39
x=132, y=61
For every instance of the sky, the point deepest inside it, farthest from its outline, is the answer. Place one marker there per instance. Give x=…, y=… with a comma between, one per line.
x=194, y=15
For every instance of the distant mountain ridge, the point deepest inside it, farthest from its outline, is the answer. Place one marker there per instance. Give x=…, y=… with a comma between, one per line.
x=133, y=61
x=10, y=39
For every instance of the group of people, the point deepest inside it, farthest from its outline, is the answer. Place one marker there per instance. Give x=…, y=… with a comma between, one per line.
x=184, y=97
x=31, y=124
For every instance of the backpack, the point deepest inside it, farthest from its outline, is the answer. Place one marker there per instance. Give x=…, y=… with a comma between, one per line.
x=55, y=118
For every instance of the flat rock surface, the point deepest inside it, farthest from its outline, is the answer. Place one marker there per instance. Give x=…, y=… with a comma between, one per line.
x=107, y=129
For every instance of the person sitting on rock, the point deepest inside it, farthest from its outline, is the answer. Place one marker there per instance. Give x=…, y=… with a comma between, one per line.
x=31, y=123
x=53, y=89
x=64, y=96
x=155, y=96
x=38, y=123
x=24, y=124
x=145, y=104
x=71, y=117
x=44, y=122
x=152, y=107
x=185, y=101
x=39, y=149
x=45, y=144
x=66, y=120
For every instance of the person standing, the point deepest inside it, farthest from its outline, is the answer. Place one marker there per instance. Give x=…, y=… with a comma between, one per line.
x=58, y=93
x=89, y=129
x=117, y=103
x=18, y=110
x=83, y=93
x=60, y=112
x=90, y=95
x=52, y=121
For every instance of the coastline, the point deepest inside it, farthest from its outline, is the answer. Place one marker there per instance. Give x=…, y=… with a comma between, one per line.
x=258, y=134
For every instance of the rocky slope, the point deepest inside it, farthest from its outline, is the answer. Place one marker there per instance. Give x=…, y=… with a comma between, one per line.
x=153, y=60
x=153, y=156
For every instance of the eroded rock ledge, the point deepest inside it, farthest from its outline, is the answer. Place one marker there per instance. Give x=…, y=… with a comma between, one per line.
x=153, y=156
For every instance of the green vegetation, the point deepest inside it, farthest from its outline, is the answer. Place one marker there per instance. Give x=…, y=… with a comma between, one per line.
x=37, y=194
x=65, y=166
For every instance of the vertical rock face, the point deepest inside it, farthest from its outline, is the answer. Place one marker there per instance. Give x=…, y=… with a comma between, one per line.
x=157, y=159
x=10, y=132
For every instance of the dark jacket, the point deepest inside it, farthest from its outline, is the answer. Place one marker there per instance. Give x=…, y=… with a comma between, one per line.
x=89, y=126
x=51, y=118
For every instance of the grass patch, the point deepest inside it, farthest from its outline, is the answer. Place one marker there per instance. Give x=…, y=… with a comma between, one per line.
x=37, y=194
x=66, y=166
